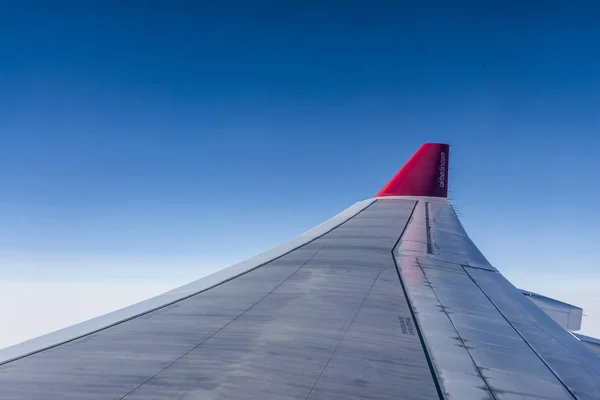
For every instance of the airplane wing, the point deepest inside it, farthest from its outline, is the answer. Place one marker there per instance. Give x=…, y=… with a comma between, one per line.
x=389, y=299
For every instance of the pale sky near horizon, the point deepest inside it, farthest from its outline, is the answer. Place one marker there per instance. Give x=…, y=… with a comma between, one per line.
x=144, y=145
x=32, y=309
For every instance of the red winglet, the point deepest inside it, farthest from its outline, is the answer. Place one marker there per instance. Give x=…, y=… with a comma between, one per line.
x=425, y=174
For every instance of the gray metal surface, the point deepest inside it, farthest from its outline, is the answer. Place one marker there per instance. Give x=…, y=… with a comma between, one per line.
x=566, y=315
x=572, y=363
x=590, y=342
x=328, y=320
x=331, y=320
x=190, y=289
x=486, y=340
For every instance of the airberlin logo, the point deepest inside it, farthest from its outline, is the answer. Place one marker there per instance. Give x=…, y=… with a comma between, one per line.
x=442, y=177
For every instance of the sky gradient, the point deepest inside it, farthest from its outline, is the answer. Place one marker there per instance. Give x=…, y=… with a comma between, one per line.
x=151, y=143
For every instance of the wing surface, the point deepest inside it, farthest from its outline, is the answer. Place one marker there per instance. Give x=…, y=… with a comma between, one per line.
x=389, y=299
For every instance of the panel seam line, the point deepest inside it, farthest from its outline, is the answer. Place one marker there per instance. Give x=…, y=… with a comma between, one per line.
x=220, y=329
x=180, y=299
x=520, y=335
x=343, y=334
x=456, y=330
x=412, y=312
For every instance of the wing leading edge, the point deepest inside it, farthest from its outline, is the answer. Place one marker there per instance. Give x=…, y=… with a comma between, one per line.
x=389, y=298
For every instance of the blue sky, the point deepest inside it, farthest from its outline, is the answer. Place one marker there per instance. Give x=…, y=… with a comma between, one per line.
x=156, y=142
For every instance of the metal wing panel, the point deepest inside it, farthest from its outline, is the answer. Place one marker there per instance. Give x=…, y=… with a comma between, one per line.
x=190, y=289
x=591, y=343
x=575, y=365
x=392, y=298
x=486, y=339
x=474, y=349
x=566, y=315
x=327, y=320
